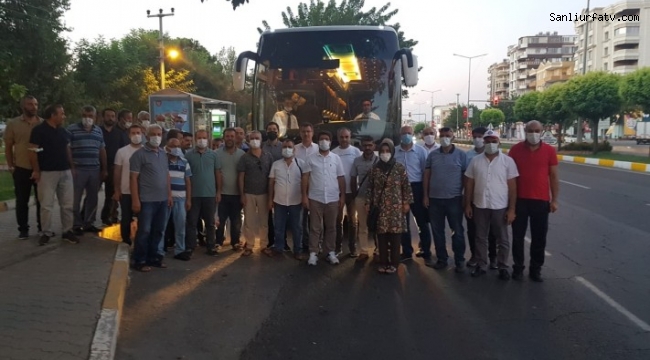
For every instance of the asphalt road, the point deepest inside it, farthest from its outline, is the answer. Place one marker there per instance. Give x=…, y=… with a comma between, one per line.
x=629, y=147
x=593, y=304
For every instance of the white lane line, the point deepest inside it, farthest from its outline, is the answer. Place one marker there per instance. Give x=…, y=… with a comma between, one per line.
x=574, y=184
x=633, y=318
x=527, y=239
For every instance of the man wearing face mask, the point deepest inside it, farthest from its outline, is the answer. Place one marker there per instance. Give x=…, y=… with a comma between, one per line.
x=285, y=118
x=124, y=120
x=303, y=151
x=537, y=192
x=361, y=168
x=143, y=120
x=114, y=139
x=443, y=195
x=490, y=197
x=273, y=146
x=230, y=206
x=89, y=157
x=206, y=192
x=414, y=158
x=180, y=174
x=121, y=180
x=429, y=137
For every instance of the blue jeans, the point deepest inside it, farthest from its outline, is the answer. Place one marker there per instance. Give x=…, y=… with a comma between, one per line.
x=422, y=220
x=291, y=217
x=152, y=221
x=177, y=216
x=452, y=210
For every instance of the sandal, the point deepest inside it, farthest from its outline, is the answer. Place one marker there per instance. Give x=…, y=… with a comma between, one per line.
x=382, y=269
x=390, y=270
x=142, y=268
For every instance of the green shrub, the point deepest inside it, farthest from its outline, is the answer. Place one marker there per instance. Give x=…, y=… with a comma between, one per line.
x=588, y=146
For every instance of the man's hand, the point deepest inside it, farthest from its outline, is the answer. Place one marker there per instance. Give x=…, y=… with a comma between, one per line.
x=425, y=201
x=553, y=206
x=135, y=206
x=188, y=204
x=305, y=202
x=218, y=198
x=117, y=195
x=510, y=216
x=341, y=202
x=103, y=175
x=270, y=205
x=170, y=201
x=36, y=176
x=243, y=200
x=469, y=212
x=406, y=208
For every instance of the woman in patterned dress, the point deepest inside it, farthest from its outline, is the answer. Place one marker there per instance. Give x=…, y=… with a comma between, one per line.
x=389, y=188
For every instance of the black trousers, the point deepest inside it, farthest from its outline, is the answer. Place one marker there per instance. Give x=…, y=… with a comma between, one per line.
x=229, y=209
x=471, y=239
x=23, y=186
x=389, y=246
x=109, y=210
x=537, y=212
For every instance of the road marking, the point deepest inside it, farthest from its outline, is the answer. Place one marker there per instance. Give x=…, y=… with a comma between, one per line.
x=574, y=184
x=638, y=322
x=527, y=239
x=608, y=168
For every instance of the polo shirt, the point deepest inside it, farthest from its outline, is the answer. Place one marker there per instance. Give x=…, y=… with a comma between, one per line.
x=287, y=190
x=324, y=171
x=204, y=166
x=122, y=158
x=153, y=173
x=85, y=146
x=446, y=180
x=229, y=174
x=491, y=180
x=256, y=172
x=114, y=140
x=435, y=147
x=361, y=169
x=347, y=156
x=274, y=150
x=178, y=171
x=534, y=168
x=54, y=142
x=414, y=160
x=18, y=131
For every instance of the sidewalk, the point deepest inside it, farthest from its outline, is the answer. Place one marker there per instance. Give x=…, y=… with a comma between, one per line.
x=52, y=297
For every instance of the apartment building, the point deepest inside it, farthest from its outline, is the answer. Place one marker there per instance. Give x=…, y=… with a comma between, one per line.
x=552, y=72
x=621, y=45
x=528, y=54
x=499, y=79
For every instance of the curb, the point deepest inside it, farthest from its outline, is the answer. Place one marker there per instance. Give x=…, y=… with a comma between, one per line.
x=625, y=165
x=6, y=206
x=105, y=339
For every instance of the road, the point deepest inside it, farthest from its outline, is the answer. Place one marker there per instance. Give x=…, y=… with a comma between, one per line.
x=593, y=304
x=629, y=147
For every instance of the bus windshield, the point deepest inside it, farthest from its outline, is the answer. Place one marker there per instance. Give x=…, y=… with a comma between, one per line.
x=329, y=78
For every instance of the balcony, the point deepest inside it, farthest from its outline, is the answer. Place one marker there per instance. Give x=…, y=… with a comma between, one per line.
x=621, y=39
x=624, y=69
x=625, y=54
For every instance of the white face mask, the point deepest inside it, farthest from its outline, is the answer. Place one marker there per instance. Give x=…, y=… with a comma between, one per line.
x=202, y=143
x=146, y=123
x=87, y=122
x=533, y=138
x=324, y=145
x=128, y=124
x=385, y=157
x=445, y=141
x=429, y=139
x=287, y=152
x=255, y=143
x=136, y=139
x=491, y=148
x=155, y=140
x=478, y=143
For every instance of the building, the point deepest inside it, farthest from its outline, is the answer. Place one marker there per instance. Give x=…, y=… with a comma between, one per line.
x=615, y=46
x=552, y=72
x=529, y=53
x=442, y=112
x=499, y=80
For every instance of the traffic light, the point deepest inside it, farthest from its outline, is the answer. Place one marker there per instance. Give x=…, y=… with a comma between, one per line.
x=495, y=101
x=465, y=113
x=409, y=114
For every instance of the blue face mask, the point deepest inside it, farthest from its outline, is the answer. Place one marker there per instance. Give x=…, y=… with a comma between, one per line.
x=176, y=152
x=407, y=139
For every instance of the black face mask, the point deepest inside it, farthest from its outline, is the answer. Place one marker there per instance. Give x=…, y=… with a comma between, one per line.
x=272, y=135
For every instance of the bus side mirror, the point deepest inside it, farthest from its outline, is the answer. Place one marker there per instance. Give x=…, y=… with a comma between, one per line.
x=410, y=69
x=239, y=70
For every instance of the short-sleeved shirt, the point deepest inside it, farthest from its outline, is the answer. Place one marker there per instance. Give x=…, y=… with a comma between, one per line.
x=114, y=140
x=347, y=156
x=413, y=160
x=178, y=171
x=85, y=146
x=18, y=131
x=256, y=172
x=229, y=174
x=361, y=169
x=204, y=166
x=300, y=151
x=274, y=150
x=153, y=170
x=534, y=169
x=491, y=180
x=446, y=180
x=471, y=153
x=288, y=180
x=54, y=142
x=122, y=158
x=324, y=171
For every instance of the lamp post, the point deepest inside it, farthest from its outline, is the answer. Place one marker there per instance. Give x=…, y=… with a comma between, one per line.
x=161, y=42
x=584, y=68
x=469, y=75
x=432, y=104
x=457, y=110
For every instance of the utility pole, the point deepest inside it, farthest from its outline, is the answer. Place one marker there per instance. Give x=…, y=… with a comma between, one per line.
x=161, y=42
x=469, y=75
x=584, y=69
x=457, y=110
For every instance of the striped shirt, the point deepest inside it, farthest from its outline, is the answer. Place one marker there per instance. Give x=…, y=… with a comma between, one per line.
x=86, y=145
x=178, y=171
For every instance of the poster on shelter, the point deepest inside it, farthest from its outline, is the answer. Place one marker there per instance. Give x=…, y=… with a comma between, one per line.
x=174, y=112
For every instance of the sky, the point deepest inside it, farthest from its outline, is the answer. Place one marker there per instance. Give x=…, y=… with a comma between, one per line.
x=466, y=27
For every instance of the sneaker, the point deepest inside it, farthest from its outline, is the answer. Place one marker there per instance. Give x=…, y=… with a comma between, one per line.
x=517, y=274
x=493, y=264
x=460, y=268
x=536, y=276
x=504, y=274
x=70, y=237
x=184, y=256
x=429, y=262
x=212, y=252
x=354, y=254
x=43, y=240
x=404, y=257
x=313, y=259
x=419, y=254
x=472, y=263
x=287, y=248
x=440, y=265
x=92, y=229
x=24, y=235
x=478, y=272
x=332, y=258
x=78, y=231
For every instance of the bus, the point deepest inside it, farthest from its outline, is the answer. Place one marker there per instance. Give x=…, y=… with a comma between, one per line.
x=331, y=77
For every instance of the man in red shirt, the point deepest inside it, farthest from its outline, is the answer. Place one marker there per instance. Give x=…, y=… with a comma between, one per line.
x=537, y=166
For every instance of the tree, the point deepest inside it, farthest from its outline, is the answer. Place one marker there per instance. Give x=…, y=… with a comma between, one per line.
x=507, y=106
x=419, y=127
x=593, y=96
x=235, y=3
x=492, y=116
x=635, y=89
x=526, y=107
x=450, y=121
x=551, y=108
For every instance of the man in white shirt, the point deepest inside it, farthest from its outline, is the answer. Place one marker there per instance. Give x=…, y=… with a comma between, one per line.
x=347, y=153
x=122, y=192
x=285, y=199
x=284, y=118
x=323, y=193
x=490, y=198
x=367, y=113
x=429, y=137
x=302, y=151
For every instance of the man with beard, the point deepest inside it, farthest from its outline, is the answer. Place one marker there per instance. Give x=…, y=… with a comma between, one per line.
x=114, y=139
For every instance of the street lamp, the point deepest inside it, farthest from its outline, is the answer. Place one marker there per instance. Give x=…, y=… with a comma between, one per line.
x=469, y=75
x=173, y=54
x=432, y=104
x=161, y=43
